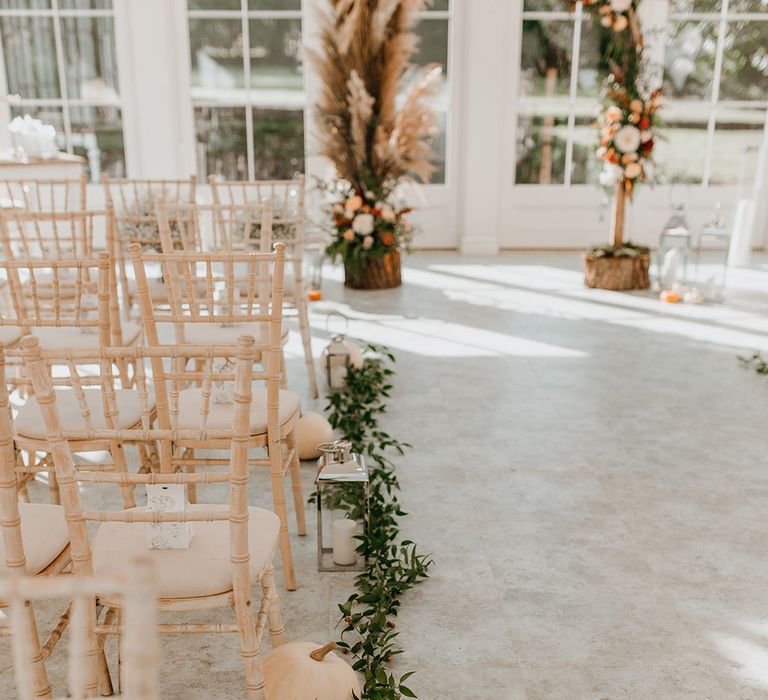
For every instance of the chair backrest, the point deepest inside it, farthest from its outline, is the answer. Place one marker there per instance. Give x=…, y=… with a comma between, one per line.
x=65, y=293
x=45, y=195
x=139, y=646
x=286, y=197
x=162, y=372
x=134, y=202
x=220, y=288
x=222, y=228
x=50, y=234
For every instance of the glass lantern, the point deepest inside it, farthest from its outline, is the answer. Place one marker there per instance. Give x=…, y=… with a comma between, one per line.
x=340, y=468
x=336, y=360
x=314, y=271
x=674, y=251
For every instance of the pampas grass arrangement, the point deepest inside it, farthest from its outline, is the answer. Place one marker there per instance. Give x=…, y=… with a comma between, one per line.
x=374, y=139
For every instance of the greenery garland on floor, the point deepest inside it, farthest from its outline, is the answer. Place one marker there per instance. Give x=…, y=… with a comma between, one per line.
x=756, y=361
x=394, y=565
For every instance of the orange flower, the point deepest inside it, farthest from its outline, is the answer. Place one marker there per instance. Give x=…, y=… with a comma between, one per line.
x=387, y=238
x=349, y=235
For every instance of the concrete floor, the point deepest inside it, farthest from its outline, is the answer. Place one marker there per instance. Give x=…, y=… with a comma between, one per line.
x=589, y=472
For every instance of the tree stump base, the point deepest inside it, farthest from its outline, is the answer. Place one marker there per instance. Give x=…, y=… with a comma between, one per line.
x=378, y=273
x=616, y=273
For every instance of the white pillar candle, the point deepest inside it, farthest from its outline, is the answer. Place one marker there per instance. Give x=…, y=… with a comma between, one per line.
x=344, y=542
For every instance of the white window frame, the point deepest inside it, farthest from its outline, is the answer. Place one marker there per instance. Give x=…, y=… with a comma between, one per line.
x=56, y=14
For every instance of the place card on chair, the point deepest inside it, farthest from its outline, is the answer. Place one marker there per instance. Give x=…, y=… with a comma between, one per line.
x=167, y=498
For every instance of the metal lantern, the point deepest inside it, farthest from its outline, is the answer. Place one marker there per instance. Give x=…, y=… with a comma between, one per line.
x=338, y=466
x=314, y=255
x=337, y=356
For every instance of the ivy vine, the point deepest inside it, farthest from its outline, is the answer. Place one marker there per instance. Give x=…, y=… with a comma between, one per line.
x=394, y=565
x=757, y=361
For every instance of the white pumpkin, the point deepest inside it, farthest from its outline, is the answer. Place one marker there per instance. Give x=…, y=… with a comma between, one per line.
x=355, y=353
x=308, y=671
x=311, y=430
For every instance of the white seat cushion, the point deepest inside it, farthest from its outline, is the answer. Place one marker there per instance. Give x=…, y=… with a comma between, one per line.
x=9, y=334
x=202, y=570
x=29, y=421
x=220, y=414
x=207, y=333
x=131, y=331
x=51, y=337
x=44, y=534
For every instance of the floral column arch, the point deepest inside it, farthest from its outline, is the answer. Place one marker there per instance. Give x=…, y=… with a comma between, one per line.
x=627, y=116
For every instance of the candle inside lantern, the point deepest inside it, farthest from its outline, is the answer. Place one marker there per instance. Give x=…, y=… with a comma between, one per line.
x=344, y=542
x=315, y=295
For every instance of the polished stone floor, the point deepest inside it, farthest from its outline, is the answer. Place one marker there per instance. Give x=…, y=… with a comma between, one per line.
x=590, y=471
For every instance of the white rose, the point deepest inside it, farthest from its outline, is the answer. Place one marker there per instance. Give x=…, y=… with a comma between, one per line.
x=370, y=196
x=646, y=136
x=387, y=213
x=609, y=175
x=363, y=224
x=633, y=170
x=621, y=5
x=368, y=242
x=627, y=139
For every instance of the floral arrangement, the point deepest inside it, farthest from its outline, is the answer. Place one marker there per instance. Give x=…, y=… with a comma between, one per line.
x=616, y=14
x=626, y=127
x=367, y=227
x=374, y=140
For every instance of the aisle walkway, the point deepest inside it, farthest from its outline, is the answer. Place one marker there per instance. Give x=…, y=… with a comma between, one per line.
x=589, y=470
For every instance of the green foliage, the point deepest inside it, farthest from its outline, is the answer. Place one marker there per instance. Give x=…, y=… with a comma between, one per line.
x=394, y=565
x=625, y=250
x=757, y=361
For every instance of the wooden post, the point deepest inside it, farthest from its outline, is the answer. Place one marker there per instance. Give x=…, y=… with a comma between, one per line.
x=619, y=203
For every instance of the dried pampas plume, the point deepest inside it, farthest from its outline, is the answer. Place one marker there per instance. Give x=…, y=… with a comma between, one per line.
x=365, y=56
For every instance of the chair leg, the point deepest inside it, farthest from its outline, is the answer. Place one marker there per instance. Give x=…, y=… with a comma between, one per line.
x=298, y=492
x=191, y=488
x=274, y=613
x=306, y=339
x=250, y=646
x=278, y=496
x=31, y=654
x=105, y=677
x=121, y=465
x=283, y=373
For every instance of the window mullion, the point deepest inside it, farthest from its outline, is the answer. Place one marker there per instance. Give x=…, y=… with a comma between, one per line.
x=248, y=96
x=715, y=96
x=575, y=53
x=58, y=42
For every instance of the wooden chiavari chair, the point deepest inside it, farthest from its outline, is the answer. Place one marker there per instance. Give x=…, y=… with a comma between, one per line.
x=44, y=195
x=35, y=542
x=132, y=204
x=233, y=545
x=62, y=237
x=287, y=198
x=194, y=228
x=211, y=289
x=74, y=314
x=138, y=646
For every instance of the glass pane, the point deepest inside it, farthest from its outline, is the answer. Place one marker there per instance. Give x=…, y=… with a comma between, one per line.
x=439, y=6
x=278, y=143
x=85, y=4
x=541, y=142
x=690, y=59
x=745, y=62
x=276, y=62
x=679, y=152
x=25, y=4
x=283, y=5
x=544, y=5
x=593, y=67
x=89, y=54
x=545, y=63
x=747, y=6
x=30, y=56
x=585, y=167
x=97, y=135
x=47, y=115
x=695, y=5
x=221, y=143
x=214, y=4
x=433, y=44
x=216, y=47
x=736, y=145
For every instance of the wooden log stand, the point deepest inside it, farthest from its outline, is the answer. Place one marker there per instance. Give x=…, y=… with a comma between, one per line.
x=375, y=273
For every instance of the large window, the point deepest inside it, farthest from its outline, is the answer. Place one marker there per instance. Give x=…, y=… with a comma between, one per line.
x=247, y=87
x=715, y=85
x=59, y=65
